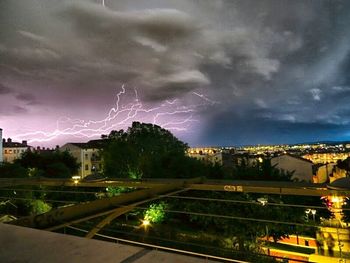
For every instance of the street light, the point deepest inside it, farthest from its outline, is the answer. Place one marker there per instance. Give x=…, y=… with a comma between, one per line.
x=145, y=223
x=263, y=201
x=313, y=212
x=76, y=179
x=307, y=212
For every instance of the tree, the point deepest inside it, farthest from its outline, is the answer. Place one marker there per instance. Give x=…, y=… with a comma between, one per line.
x=53, y=164
x=12, y=170
x=119, y=159
x=345, y=165
x=149, y=151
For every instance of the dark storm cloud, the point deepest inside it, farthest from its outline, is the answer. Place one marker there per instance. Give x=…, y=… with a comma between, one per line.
x=249, y=130
x=163, y=49
x=160, y=49
x=279, y=63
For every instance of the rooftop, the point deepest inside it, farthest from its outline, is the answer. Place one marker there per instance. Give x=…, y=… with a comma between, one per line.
x=294, y=156
x=10, y=144
x=95, y=144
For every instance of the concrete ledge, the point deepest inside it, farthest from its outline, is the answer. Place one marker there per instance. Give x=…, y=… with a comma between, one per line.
x=20, y=244
x=26, y=245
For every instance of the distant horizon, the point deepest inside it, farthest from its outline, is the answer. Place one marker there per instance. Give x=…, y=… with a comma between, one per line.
x=84, y=140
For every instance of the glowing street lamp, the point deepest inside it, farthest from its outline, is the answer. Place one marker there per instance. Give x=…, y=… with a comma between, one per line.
x=310, y=211
x=263, y=201
x=313, y=212
x=76, y=179
x=146, y=223
x=307, y=212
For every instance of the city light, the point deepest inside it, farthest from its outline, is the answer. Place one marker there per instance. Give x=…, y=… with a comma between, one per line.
x=313, y=212
x=263, y=201
x=146, y=223
x=310, y=211
x=76, y=179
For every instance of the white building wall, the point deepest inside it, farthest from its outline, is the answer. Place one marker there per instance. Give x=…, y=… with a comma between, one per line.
x=324, y=172
x=10, y=154
x=302, y=169
x=89, y=165
x=84, y=158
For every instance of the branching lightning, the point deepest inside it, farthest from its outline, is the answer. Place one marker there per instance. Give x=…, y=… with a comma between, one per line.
x=170, y=114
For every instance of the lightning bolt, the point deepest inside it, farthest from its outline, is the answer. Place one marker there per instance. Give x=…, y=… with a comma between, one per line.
x=173, y=115
x=202, y=96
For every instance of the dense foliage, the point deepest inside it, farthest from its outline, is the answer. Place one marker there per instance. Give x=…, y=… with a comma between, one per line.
x=149, y=151
x=156, y=212
x=26, y=200
x=9, y=170
x=52, y=164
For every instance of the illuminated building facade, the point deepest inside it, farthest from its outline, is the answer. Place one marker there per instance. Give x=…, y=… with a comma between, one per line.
x=213, y=155
x=326, y=157
x=301, y=168
x=208, y=155
x=13, y=150
x=324, y=172
x=87, y=155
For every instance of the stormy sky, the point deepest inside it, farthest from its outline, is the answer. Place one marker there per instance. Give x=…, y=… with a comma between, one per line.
x=215, y=72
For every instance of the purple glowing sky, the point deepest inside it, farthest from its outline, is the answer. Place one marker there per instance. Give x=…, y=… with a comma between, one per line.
x=213, y=71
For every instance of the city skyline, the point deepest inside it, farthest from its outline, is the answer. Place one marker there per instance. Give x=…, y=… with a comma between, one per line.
x=213, y=72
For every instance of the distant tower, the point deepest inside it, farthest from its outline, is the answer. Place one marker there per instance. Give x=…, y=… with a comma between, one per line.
x=1, y=145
